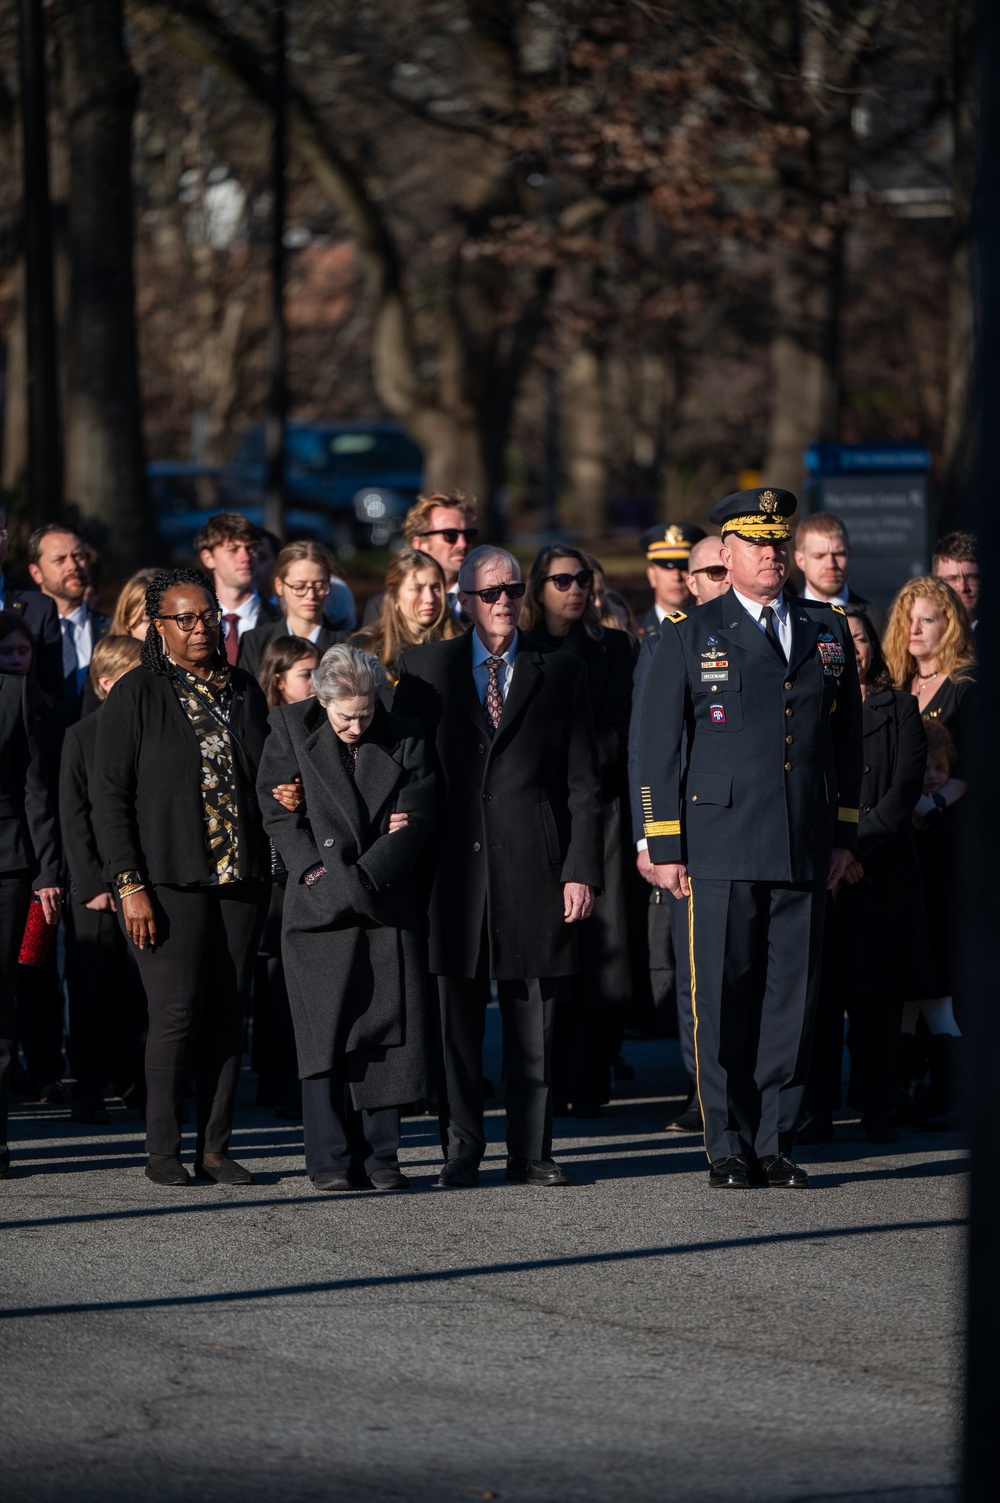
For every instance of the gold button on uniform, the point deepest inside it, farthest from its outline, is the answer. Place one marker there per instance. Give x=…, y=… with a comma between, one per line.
x=788, y=766
x=789, y=740
x=788, y=683
x=788, y=711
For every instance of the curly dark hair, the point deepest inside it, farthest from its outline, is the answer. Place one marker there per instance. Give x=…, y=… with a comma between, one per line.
x=154, y=656
x=879, y=677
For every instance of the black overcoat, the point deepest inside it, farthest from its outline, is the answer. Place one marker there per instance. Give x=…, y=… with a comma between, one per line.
x=750, y=767
x=27, y=825
x=255, y=642
x=355, y=957
x=519, y=815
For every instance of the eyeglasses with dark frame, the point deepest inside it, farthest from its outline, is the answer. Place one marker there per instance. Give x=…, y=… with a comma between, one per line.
x=451, y=535
x=309, y=586
x=584, y=578
x=715, y=572
x=187, y=620
x=513, y=591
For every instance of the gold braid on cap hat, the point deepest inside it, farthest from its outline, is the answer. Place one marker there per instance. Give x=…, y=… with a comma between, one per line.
x=758, y=529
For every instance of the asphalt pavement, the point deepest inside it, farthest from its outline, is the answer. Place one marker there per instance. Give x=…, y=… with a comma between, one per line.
x=636, y=1336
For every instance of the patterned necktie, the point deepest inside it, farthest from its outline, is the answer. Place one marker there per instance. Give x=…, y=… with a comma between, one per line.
x=493, y=703
x=232, y=638
x=770, y=631
x=349, y=756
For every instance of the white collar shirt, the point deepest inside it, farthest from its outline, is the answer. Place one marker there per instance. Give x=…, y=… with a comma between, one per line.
x=77, y=643
x=782, y=618
x=839, y=599
x=246, y=615
x=480, y=672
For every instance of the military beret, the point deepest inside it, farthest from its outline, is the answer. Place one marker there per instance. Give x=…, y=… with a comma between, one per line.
x=671, y=545
x=758, y=516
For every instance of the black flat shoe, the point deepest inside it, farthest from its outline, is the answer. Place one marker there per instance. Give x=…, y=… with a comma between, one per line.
x=688, y=1121
x=535, y=1172
x=388, y=1179
x=459, y=1174
x=164, y=1169
x=226, y=1173
x=782, y=1174
x=332, y=1179
x=732, y=1173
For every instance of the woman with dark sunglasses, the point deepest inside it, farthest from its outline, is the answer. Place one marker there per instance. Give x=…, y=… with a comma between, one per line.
x=178, y=822
x=559, y=610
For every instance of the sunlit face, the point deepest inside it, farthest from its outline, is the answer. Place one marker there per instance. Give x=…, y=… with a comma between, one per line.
x=351, y=717
x=862, y=648
x=936, y=776
x=15, y=654
x=927, y=627
x=304, y=588
x=707, y=575
x=499, y=619
x=139, y=627
x=824, y=561
x=233, y=563
x=564, y=607
x=61, y=570
x=757, y=570
x=449, y=554
x=295, y=684
x=193, y=640
x=419, y=598
x=963, y=576
x=669, y=587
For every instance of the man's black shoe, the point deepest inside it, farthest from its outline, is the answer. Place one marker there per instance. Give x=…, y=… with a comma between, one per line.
x=459, y=1174
x=782, y=1174
x=729, y=1174
x=226, y=1172
x=688, y=1121
x=388, y=1179
x=332, y=1179
x=535, y=1172
x=164, y=1169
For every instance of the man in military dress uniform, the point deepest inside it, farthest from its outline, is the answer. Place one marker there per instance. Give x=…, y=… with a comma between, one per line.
x=667, y=550
x=750, y=775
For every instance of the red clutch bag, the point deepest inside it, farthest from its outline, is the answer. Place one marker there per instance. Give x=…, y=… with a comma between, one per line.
x=38, y=936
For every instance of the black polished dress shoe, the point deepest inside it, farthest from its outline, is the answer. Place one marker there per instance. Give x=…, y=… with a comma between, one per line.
x=228, y=1172
x=782, y=1174
x=332, y=1179
x=388, y=1179
x=164, y=1169
x=732, y=1173
x=688, y=1121
x=459, y=1174
x=542, y=1172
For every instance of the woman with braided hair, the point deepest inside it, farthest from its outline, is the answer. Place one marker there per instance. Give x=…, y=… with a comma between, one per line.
x=178, y=821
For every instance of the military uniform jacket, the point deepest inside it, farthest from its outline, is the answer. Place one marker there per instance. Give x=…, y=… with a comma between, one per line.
x=767, y=779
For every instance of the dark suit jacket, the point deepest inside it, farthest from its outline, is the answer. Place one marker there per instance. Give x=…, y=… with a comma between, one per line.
x=27, y=825
x=518, y=815
x=750, y=767
x=76, y=810
x=254, y=643
x=354, y=955
x=42, y=619
x=147, y=781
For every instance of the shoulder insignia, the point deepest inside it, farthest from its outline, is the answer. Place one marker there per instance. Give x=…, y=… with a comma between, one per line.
x=676, y=616
x=839, y=609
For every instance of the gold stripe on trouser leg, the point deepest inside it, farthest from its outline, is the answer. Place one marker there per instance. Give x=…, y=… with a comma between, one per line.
x=694, y=1009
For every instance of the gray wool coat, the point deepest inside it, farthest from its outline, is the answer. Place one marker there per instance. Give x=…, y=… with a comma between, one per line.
x=355, y=957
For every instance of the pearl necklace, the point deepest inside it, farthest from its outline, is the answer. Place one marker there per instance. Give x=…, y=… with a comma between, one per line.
x=925, y=676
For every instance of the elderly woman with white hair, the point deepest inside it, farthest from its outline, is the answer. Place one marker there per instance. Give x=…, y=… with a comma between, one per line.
x=353, y=926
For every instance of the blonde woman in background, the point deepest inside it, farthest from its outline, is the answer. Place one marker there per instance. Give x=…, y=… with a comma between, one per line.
x=414, y=610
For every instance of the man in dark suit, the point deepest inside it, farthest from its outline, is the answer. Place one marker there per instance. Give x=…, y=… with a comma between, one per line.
x=667, y=551
x=40, y=616
x=29, y=859
x=57, y=562
x=823, y=558
x=228, y=548
x=443, y=525
x=517, y=860
x=750, y=775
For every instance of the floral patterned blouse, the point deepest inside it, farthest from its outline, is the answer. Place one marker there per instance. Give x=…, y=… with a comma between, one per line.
x=207, y=703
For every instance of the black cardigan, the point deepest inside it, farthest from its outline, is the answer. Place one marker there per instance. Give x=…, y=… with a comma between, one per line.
x=147, y=782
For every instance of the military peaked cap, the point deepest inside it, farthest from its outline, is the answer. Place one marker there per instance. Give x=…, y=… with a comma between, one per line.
x=671, y=545
x=758, y=516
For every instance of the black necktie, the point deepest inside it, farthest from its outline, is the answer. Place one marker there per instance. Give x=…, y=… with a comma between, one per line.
x=771, y=632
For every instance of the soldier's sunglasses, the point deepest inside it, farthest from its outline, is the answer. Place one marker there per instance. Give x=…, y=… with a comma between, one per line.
x=451, y=535
x=492, y=595
x=584, y=579
x=715, y=572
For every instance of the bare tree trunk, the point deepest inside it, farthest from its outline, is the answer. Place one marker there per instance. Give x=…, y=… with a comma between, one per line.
x=15, y=412
x=959, y=426
x=587, y=452
x=805, y=292
x=105, y=472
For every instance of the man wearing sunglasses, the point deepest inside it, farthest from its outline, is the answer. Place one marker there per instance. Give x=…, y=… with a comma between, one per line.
x=443, y=525
x=667, y=552
x=707, y=575
x=518, y=859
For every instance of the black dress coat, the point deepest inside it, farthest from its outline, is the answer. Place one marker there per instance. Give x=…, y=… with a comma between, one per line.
x=39, y=614
x=147, y=782
x=354, y=954
x=76, y=812
x=27, y=824
x=254, y=643
x=519, y=815
x=605, y=938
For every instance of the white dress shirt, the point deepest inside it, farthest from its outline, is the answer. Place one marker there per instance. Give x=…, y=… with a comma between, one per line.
x=246, y=615
x=840, y=599
x=782, y=618
x=77, y=643
x=480, y=672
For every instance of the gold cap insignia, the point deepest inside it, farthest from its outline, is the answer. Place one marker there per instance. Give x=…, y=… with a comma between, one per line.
x=673, y=535
x=768, y=502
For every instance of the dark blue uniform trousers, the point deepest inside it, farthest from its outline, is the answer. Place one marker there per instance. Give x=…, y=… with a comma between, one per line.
x=755, y=949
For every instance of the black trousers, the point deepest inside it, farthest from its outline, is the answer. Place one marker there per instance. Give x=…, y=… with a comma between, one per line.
x=15, y=895
x=527, y=1015
x=197, y=984
x=756, y=949
x=41, y=1018
x=338, y=1136
x=107, y=1008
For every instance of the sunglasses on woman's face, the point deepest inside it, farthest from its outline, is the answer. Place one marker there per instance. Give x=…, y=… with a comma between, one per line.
x=492, y=595
x=584, y=579
x=451, y=535
x=715, y=572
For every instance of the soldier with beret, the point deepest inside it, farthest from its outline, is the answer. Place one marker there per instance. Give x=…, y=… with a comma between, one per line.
x=750, y=774
x=667, y=550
